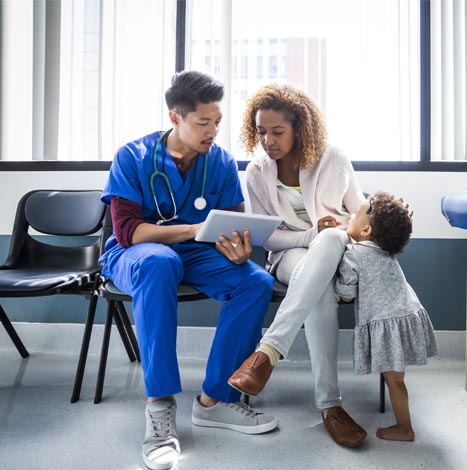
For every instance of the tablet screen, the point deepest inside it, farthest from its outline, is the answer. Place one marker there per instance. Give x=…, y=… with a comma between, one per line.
x=221, y=222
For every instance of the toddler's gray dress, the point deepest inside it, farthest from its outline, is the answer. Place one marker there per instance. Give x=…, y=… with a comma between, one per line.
x=392, y=329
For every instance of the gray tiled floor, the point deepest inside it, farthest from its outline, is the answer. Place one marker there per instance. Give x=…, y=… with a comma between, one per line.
x=40, y=429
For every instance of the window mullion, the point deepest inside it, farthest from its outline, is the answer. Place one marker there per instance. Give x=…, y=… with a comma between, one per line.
x=425, y=82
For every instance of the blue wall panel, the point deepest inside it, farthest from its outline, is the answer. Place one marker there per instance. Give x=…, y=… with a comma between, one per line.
x=436, y=269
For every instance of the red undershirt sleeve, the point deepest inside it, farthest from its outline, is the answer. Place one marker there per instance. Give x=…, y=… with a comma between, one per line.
x=126, y=216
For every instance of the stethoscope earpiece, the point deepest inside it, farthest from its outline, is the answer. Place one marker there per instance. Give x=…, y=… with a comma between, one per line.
x=200, y=202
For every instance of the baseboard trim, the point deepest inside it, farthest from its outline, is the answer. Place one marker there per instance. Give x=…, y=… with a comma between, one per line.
x=193, y=342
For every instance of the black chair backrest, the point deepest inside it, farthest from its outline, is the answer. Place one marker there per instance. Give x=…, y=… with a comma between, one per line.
x=107, y=229
x=63, y=213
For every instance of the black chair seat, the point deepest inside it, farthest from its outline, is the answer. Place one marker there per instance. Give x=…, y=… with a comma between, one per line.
x=112, y=292
x=17, y=282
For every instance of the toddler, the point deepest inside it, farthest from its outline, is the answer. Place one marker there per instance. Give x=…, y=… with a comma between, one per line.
x=392, y=329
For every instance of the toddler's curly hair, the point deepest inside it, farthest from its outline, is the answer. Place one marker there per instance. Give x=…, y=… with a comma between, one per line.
x=298, y=109
x=390, y=221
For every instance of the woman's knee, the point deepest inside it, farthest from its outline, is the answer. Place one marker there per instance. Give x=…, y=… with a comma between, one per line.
x=329, y=246
x=333, y=236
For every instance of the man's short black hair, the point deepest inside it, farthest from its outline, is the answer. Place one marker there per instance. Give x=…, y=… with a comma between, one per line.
x=189, y=88
x=390, y=221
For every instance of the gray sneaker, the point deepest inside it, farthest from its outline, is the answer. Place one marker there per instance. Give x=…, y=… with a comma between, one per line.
x=235, y=416
x=161, y=448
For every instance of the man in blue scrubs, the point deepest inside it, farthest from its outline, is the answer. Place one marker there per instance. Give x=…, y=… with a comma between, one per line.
x=160, y=190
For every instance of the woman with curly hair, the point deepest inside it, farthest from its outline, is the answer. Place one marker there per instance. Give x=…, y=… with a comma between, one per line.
x=392, y=329
x=313, y=187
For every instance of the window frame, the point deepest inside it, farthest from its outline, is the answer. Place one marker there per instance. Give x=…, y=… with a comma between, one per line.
x=424, y=164
x=104, y=165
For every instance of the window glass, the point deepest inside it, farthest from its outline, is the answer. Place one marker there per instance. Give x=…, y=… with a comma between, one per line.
x=92, y=75
x=448, y=129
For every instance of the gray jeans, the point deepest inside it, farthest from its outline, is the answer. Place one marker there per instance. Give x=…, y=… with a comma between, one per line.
x=312, y=300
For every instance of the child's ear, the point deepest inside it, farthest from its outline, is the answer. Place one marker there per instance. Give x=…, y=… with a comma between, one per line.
x=367, y=230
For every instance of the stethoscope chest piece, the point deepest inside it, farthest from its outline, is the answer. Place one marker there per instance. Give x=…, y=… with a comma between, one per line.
x=200, y=203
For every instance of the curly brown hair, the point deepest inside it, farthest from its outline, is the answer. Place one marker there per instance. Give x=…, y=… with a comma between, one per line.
x=298, y=109
x=391, y=222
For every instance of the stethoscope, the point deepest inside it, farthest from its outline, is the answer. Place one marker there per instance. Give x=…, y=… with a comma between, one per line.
x=199, y=203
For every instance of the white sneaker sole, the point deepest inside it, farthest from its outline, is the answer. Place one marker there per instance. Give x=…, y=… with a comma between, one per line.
x=259, y=429
x=163, y=462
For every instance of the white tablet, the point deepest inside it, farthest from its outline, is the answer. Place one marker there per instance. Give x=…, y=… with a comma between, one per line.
x=219, y=222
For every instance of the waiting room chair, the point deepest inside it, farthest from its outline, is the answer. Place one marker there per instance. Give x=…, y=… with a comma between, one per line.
x=12, y=333
x=116, y=312
x=454, y=209
x=44, y=267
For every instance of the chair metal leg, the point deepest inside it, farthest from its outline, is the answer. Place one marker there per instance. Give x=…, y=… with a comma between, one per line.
x=129, y=329
x=123, y=334
x=382, y=394
x=84, y=348
x=12, y=333
x=104, y=352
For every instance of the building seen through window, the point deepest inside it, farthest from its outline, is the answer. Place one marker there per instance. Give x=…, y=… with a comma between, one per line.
x=359, y=60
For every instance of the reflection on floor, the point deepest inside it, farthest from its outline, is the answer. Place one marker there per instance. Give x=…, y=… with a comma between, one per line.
x=40, y=429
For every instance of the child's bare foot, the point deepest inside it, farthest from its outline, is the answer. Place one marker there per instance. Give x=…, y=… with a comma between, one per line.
x=395, y=433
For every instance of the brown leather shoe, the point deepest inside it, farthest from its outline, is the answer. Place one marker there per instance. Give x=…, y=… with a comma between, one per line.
x=343, y=429
x=252, y=375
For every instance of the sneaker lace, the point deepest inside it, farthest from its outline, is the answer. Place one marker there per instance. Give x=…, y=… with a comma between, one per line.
x=163, y=425
x=243, y=408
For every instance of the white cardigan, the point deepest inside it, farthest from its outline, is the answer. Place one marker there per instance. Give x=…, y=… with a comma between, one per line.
x=329, y=187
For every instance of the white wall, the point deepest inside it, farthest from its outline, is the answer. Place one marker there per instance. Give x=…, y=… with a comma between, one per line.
x=13, y=184
x=423, y=190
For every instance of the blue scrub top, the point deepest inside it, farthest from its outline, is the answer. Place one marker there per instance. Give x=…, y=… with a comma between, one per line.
x=132, y=168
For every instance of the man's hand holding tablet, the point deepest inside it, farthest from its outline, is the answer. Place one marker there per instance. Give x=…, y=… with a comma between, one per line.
x=245, y=229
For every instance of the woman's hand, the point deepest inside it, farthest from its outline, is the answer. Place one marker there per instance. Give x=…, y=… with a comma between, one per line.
x=406, y=205
x=327, y=221
x=237, y=250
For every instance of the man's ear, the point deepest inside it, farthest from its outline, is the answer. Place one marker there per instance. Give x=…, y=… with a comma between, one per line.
x=174, y=117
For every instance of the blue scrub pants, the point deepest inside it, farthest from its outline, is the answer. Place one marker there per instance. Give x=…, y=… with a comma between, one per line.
x=151, y=272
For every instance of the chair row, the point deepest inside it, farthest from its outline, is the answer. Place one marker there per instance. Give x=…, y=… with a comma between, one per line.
x=38, y=268
x=41, y=267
